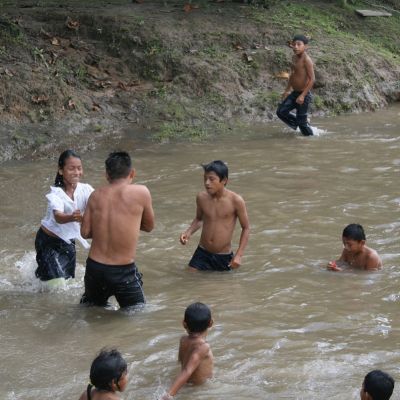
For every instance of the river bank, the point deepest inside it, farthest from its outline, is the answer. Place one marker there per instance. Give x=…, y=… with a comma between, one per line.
x=74, y=74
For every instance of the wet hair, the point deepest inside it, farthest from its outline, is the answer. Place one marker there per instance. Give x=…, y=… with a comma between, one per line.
x=379, y=385
x=300, y=38
x=118, y=165
x=217, y=166
x=107, y=367
x=354, y=232
x=59, y=181
x=197, y=317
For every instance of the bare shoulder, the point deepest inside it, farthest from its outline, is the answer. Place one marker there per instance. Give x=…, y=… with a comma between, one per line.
x=203, y=349
x=236, y=198
x=307, y=59
x=373, y=258
x=141, y=191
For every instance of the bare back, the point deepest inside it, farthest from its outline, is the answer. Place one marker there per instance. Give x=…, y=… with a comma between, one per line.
x=219, y=217
x=192, y=348
x=113, y=218
x=302, y=72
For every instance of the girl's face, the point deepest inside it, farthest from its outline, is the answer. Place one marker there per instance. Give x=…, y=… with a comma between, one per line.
x=72, y=171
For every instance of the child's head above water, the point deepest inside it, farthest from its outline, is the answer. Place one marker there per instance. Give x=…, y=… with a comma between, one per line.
x=354, y=232
x=197, y=318
x=218, y=167
x=109, y=371
x=377, y=385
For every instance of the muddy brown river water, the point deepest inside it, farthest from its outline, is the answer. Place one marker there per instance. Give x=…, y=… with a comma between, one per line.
x=285, y=328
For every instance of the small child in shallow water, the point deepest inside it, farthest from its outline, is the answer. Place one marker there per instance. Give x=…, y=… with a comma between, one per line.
x=195, y=353
x=108, y=375
x=355, y=253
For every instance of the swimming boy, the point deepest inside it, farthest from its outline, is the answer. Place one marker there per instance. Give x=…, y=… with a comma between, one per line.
x=217, y=211
x=297, y=94
x=377, y=385
x=355, y=253
x=108, y=375
x=195, y=353
x=114, y=216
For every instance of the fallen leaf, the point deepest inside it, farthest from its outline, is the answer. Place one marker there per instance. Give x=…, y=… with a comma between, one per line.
x=71, y=105
x=190, y=7
x=42, y=99
x=71, y=24
x=9, y=72
x=96, y=107
x=247, y=57
x=122, y=85
x=55, y=41
x=282, y=75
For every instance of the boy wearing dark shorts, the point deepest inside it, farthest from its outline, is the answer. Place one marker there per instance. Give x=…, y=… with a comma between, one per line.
x=114, y=216
x=217, y=211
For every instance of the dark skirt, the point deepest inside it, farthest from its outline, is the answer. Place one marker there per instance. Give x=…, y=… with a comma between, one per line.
x=55, y=258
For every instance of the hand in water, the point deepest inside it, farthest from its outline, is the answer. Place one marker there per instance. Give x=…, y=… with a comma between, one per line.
x=166, y=396
x=332, y=266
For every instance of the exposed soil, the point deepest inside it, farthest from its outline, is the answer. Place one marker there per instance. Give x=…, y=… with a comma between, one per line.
x=73, y=74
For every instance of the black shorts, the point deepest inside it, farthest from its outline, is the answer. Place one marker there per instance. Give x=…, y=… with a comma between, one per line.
x=103, y=281
x=203, y=260
x=55, y=258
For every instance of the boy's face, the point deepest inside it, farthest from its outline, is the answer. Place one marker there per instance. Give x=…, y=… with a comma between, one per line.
x=298, y=47
x=353, y=246
x=212, y=183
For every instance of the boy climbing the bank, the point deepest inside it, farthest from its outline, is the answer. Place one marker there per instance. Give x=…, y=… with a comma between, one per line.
x=195, y=353
x=218, y=209
x=377, y=385
x=355, y=253
x=297, y=94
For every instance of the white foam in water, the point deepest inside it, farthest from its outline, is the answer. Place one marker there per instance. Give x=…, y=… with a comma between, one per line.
x=316, y=131
x=27, y=279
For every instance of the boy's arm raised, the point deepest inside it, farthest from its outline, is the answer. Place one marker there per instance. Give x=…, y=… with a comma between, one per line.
x=244, y=235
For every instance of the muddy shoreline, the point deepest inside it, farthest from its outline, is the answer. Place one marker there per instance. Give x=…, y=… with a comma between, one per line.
x=74, y=75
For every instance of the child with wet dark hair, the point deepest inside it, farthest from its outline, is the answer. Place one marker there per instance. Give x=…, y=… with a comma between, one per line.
x=355, y=253
x=297, y=95
x=217, y=211
x=195, y=353
x=377, y=385
x=66, y=203
x=108, y=375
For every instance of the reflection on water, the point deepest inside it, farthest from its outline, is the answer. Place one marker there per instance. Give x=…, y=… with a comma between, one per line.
x=284, y=326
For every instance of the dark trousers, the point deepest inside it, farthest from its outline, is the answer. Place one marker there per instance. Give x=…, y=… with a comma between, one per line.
x=300, y=118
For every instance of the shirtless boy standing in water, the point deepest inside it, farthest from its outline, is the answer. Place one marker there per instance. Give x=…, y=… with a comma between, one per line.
x=113, y=218
x=297, y=94
x=217, y=211
x=355, y=253
x=195, y=353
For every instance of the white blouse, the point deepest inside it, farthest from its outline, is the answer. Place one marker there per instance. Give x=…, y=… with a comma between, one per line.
x=58, y=200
